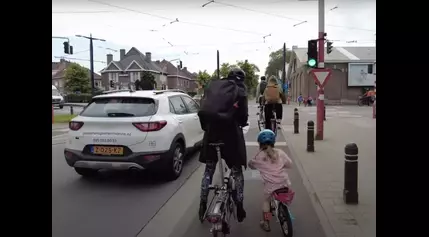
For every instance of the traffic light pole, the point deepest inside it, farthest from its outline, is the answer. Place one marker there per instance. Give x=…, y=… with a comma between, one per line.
x=321, y=64
x=91, y=59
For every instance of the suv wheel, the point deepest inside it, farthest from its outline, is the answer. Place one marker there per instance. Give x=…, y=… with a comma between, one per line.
x=86, y=172
x=174, y=165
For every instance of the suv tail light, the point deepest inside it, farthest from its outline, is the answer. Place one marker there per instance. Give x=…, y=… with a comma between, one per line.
x=150, y=126
x=75, y=125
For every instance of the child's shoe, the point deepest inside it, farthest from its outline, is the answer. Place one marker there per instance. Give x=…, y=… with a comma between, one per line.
x=265, y=222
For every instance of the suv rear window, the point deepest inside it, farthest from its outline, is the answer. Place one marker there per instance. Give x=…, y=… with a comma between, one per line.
x=120, y=107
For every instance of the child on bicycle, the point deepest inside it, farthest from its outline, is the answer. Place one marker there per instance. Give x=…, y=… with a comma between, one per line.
x=272, y=164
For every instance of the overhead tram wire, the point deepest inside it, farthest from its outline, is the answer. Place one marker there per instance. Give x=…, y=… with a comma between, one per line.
x=180, y=21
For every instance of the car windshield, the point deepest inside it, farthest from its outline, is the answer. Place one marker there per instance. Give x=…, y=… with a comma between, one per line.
x=55, y=92
x=120, y=107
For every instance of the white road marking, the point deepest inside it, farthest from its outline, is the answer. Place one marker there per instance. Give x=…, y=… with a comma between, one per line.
x=61, y=136
x=350, y=116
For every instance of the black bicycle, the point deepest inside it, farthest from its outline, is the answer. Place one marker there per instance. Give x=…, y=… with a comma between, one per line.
x=261, y=117
x=274, y=122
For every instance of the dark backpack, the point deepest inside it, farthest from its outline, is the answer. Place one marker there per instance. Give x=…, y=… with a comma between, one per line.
x=219, y=99
x=262, y=87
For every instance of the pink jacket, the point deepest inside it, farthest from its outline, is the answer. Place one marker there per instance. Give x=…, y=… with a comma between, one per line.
x=274, y=174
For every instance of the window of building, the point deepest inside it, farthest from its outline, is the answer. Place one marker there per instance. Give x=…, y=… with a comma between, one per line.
x=370, y=67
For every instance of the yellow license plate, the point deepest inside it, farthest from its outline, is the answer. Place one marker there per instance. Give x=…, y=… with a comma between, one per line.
x=107, y=150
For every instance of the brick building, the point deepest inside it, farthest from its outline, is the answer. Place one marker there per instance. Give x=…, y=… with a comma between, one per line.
x=353, y=68
x=129, y=68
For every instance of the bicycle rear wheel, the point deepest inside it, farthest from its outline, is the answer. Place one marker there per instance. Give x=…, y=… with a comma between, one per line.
x=274, y=126
x=285, y=220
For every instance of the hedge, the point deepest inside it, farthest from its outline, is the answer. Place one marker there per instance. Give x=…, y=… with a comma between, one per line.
x=78, y=98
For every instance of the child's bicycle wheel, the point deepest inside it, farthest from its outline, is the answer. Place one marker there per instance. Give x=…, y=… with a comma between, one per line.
x=285, y=220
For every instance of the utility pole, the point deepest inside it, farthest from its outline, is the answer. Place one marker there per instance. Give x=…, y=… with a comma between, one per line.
x=284, y=74
x=91, y=58
x=321, y=64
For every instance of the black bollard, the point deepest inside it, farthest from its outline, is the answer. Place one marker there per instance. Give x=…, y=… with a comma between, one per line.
x=71, y=109
x=350, y=192
x=310, y=136
x=324, y=113
x=295, y=121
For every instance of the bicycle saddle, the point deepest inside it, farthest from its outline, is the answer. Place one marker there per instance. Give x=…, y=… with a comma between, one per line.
x=282, y=190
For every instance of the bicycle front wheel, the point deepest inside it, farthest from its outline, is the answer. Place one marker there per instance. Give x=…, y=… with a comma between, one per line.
x=285, y=220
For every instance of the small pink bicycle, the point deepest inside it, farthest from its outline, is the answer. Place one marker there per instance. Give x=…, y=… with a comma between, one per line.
x=280, y=200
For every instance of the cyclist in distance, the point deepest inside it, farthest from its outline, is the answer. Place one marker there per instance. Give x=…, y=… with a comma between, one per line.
x=273, y=100
x=260, y=90
x=228, y=94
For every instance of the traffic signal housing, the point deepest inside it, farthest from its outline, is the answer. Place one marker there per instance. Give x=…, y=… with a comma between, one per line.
x=66, y=47
x=180, y=64
x=329, y=47
x=112, y=84
x=312, y=53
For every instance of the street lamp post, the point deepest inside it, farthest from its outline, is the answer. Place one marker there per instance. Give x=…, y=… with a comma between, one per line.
x=91, y=58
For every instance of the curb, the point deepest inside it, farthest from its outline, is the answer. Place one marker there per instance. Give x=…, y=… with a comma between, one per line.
x=320, y=211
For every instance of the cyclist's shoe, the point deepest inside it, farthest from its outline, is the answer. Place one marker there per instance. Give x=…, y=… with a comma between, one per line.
x=241, y=213
x=202, y=211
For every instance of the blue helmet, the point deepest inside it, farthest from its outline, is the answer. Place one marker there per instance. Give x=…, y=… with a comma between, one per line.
x=267, y=136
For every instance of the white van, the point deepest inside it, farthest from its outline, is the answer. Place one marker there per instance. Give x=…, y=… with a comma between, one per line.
x=57, y=98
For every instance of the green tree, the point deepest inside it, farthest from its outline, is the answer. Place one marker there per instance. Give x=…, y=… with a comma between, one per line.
x=224, y=69
x=77, y=79
x=276, y=62
x=251, y=70
x=147, y=78
x=203, y=77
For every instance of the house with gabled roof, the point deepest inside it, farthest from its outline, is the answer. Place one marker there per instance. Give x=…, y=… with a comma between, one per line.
x=353, y=69
x=129, y=68
x=59, y=71
x=178, y=78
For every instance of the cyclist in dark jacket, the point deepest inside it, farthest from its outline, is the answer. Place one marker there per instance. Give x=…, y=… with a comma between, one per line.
x=234, y=148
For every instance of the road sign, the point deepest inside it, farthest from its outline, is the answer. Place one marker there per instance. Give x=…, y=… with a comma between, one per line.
x=321, y=76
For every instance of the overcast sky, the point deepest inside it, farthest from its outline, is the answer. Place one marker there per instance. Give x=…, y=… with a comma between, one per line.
x=235, y=27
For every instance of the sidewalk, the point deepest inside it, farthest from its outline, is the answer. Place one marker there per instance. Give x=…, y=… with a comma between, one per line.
x=324, y=170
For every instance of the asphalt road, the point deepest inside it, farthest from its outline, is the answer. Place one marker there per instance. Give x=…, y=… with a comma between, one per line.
x=118, y=204
x=115, y=204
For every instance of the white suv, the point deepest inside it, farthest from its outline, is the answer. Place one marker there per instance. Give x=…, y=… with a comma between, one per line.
x=134, y=130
